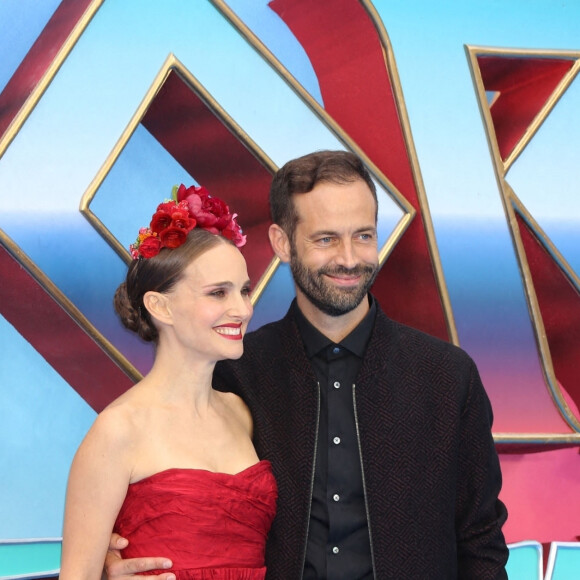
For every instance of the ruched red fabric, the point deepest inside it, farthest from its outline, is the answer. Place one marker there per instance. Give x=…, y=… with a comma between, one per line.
x=213, y=526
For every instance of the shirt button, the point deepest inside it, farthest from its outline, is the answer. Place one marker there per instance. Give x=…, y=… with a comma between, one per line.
x=336, y=497
x=336, y=440
x=336, y=385
x=336, y=350
x=335, y=550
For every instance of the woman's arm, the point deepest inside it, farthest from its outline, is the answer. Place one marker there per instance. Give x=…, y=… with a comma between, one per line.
x=98, y=480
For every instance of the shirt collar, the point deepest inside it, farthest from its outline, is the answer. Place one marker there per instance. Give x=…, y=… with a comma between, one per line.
x=355, y=342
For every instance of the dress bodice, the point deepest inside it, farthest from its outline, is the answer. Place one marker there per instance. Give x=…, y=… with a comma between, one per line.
x=212, y=525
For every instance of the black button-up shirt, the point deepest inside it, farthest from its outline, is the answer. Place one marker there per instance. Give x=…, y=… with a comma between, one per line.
x=338, y=545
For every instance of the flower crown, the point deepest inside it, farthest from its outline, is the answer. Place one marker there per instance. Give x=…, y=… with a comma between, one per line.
x=188, y=208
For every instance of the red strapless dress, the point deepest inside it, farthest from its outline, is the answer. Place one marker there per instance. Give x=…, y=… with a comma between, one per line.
x=211, y=525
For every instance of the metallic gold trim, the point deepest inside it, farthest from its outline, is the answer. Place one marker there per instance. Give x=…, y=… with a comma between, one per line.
x=45, y=282
x=475, y=51
x=546, y=241
x=542, y=115
x=536, y=439
x=171, y=64
x=512, y=204
x=89, y=194
x=265, y=279
x=328, y=121
x=36, y=94
x=392, y=70
x=484, y=110
x=535, y=312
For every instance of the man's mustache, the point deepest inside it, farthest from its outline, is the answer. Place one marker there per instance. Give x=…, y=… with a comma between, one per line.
x=342, y=271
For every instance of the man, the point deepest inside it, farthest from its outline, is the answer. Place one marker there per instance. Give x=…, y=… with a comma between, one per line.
x=379, y=435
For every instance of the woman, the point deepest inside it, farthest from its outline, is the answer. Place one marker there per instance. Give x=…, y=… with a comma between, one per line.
x=170, y=464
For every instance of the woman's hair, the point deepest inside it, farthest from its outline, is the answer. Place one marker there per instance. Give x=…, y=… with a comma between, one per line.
x=158, y=274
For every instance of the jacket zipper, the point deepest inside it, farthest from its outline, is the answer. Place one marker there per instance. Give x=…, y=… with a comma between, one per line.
x=311, y=481
x=363, y=479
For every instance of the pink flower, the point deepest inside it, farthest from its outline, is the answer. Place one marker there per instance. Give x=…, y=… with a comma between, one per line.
x=184, y=192
x=214, y=212
x=233, y=232
x=208, y=211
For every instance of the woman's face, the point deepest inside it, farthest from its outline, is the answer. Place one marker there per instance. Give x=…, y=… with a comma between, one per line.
x=210, y=305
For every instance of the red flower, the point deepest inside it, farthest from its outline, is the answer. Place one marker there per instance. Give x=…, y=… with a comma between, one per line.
x=149, y=247
x=161, y=219
x=172, y=237
x=182, y=219
x=172, y=214
x=167, y=207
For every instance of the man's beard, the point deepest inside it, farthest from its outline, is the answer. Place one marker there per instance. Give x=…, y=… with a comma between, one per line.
x=330, y=299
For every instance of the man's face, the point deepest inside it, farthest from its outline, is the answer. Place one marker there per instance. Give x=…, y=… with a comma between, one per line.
x=334, y=254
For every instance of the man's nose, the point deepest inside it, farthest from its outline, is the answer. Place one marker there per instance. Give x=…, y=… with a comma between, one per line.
x=346, y=254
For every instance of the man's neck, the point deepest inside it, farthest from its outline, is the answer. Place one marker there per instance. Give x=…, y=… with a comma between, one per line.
x=333, y=327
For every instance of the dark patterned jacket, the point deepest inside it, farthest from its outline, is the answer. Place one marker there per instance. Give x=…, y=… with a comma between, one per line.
x=430, y=469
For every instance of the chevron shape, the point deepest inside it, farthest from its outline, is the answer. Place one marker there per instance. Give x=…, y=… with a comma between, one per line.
x=524, y=90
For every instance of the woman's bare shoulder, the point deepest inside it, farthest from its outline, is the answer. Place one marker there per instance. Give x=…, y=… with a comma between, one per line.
x=118, y=422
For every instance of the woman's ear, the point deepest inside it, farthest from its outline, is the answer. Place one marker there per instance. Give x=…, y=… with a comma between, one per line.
x=279, y=242
x=157, y=305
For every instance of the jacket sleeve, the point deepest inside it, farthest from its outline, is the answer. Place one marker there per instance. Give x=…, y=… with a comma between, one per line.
x=480, y=515
x=226, y=379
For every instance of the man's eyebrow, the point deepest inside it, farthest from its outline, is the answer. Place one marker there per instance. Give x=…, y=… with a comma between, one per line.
x=335, y=233
x=323, y=233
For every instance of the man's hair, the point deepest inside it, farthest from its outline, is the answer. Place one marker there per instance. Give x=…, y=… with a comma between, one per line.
x=303, y=174
x=159, y=274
